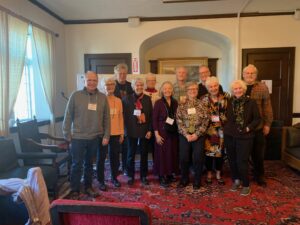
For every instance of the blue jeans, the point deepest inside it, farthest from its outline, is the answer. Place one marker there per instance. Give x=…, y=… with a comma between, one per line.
x=82, y=152
x=113, y=152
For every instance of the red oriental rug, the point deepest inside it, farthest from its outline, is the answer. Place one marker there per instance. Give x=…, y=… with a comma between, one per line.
x=278, y=203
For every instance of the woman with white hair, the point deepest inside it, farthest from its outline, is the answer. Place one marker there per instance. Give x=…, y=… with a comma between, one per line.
x=242, y=119
x=166, y=135
x=214, y=142
x=138, y=125
x=116, y=136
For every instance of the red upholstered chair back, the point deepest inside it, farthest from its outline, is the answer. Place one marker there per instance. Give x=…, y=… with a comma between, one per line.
x=70, y=212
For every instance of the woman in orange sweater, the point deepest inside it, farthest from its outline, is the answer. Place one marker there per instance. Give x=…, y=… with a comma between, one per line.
x=116, y=136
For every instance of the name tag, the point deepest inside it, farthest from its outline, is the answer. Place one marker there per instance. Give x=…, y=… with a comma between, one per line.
x=215, y=118
x=137, y=112
x=92, y=107
x=182, y=98
x=113, y=111
x=191, y=111
x=169, y=121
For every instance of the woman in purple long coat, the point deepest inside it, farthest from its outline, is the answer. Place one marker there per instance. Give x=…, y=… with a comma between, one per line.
x=166, y=135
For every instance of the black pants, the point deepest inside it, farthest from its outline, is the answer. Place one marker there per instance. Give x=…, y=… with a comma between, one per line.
x=113, y=149
x=124, y=151
x=238, y=150
x=258, y=153
x=209, y=161
x=134, y=143
x=197, y=148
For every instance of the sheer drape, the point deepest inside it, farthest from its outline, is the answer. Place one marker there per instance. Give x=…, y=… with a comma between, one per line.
x=13, y=46
x=44, y=45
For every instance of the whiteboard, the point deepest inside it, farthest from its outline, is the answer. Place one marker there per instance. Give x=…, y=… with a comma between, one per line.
x=160, y=78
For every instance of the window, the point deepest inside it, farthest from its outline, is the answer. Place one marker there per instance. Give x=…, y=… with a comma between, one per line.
x=31, y=100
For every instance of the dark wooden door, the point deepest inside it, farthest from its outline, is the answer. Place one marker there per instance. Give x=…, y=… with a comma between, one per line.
x=276, y=64
x=105, y=63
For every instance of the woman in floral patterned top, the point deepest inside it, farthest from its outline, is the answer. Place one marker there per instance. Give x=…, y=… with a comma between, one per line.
x=214, y=142
x=192, y=121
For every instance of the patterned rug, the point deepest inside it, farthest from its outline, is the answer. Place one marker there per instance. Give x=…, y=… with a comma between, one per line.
x=278, y=203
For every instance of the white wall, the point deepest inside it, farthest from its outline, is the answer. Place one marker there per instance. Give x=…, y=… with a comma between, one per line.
x=253, y=32
x=38, y=16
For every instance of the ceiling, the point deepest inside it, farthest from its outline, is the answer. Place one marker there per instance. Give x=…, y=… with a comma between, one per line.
x=73, y=11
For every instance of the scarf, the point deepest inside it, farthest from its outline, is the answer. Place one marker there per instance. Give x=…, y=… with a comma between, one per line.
x=138, y=103
x=238, y=111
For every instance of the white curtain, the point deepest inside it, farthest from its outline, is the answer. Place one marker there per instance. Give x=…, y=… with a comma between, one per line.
x=3, y=74
x=13, y=36
x=44, y=45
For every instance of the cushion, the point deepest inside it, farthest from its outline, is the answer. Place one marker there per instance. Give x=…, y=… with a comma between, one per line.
x=293, y=137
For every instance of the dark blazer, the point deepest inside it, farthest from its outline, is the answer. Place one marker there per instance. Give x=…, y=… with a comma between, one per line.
x=202, y=90
x=251, y=120
x=132, y=127
x=128, y=89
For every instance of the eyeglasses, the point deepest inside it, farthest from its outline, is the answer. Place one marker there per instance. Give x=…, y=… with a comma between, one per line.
x=192, y=89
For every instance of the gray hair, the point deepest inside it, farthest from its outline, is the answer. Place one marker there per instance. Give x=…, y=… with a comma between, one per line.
x=150, y=75
x=211, y=80
x=181, y=67
x=250, y=66
x=119, y=67
x=135, y=80
x=161, y=88
x=239, y=83
x=190, y=83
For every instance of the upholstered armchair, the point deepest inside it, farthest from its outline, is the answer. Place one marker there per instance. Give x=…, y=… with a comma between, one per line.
x=71, y=212
x=290, y=148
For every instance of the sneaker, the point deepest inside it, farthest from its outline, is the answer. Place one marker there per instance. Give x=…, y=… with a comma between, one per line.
x=102, y=186
x=74, y=195
x=144, y=181
x=208, y=181
x=235, y=185
x=116, y=183
x=221, y=181
x=130, y=181
x=245, y=191
x=90, y=192
x=163, y=181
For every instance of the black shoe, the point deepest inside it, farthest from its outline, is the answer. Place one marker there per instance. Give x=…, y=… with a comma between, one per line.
x=116, y=183
x=182, y=184
x=74, y=195
x=171, y=178
x=221, y=181
x=102, y=186
x=163, y=182
x=261, y=182
x=196, y=185
x=130, y=181
x=90, y=192
x=144, y=181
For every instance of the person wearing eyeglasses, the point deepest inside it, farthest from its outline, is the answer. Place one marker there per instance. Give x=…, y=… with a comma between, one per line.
x=180, y=85
x=192, y=120
x=116, y=137
x=204, y=73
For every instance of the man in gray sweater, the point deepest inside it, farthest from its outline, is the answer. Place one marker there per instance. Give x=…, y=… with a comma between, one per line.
x=86, y=125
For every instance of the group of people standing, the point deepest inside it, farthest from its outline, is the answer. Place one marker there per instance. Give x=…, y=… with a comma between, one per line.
x=189, y=125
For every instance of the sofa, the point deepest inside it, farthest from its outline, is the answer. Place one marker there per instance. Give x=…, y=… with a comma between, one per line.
x=290, y=146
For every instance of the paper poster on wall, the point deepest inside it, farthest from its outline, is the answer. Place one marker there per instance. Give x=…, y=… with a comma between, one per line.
x=269, y=84
x=135, y=65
